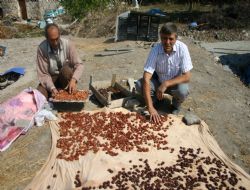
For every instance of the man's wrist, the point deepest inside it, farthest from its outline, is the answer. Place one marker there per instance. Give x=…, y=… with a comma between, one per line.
x=52, y=88
x=73, y=80
x=150, y=107
x=166, y=83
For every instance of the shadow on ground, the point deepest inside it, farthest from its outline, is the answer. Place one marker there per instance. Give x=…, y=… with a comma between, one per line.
x=239, y=64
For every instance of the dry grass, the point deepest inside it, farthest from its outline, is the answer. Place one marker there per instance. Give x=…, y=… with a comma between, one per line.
x=17, y=30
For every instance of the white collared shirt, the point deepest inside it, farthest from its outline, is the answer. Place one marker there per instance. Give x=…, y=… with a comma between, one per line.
x=169, y=66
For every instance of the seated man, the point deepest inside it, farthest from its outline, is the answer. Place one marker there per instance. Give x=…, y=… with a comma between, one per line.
x=170, y=62
x=58, y=65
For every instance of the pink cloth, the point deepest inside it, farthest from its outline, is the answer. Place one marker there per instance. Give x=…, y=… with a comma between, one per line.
x=17, y=115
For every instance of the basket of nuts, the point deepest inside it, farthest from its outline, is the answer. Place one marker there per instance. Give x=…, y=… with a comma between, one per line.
x=66, y=102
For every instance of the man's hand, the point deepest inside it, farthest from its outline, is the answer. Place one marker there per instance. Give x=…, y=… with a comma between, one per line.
x=154, y=116
x=72, y=85
x=54, y=91
x=160, y=91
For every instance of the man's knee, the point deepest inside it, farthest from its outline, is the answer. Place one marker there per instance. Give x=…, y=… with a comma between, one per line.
x=139, y=86
x=182, y=91
x=65, y=76
x=154, y=84
x=43, y=91
x=66, y=72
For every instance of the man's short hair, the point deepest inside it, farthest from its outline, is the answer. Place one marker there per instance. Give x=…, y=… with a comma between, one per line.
x=48, y=26
x=168, y=28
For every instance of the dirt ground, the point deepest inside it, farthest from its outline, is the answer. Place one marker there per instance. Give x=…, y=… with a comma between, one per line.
x=217, y=96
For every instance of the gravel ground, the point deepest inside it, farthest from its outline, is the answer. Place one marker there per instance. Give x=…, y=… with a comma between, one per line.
x=217, y=96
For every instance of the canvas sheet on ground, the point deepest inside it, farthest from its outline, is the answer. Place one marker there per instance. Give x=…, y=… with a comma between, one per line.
x=118, y=149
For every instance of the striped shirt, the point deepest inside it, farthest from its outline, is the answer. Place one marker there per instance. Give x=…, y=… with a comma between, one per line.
x=169, y=66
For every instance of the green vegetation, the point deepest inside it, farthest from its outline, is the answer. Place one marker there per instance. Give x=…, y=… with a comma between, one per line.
x=79, y=8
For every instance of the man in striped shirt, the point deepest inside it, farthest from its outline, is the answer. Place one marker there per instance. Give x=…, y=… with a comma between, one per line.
x=167, y=70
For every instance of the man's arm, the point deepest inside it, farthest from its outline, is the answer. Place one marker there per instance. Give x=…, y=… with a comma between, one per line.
x=184, y=78
x=42, y=71
x=154, y=116
x=77, y=64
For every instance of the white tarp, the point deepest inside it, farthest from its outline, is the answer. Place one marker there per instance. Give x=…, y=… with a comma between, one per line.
x=193, y=161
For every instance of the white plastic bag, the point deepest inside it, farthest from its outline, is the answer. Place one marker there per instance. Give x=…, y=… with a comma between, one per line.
x=44, y=115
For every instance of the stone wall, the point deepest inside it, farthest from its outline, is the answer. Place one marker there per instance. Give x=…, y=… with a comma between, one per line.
x=10, y=7
x=35, y=8
x=33, y=11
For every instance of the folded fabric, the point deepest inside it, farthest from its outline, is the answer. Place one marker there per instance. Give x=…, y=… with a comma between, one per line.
x=18, y=70
x=44, y=115
x=17, y=115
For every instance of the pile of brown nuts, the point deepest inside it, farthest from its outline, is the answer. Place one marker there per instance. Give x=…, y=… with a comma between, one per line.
x=76, y=95
x=108, y=132
x=187, y=173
